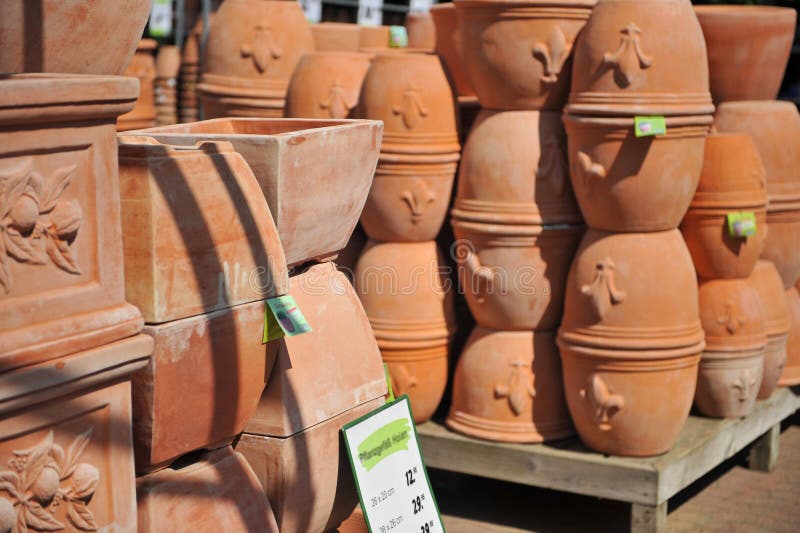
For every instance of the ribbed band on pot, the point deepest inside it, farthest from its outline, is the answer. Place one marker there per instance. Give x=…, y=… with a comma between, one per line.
x=486, y=428
x=420, y=144
x=623, y=125
x=214, y=84
x=610, y=359
x=523, y=9
x=410, y=335
x=633, y=343
x=788, y=204
x=622, y=105
x=513, y=213
x=393, y=168
x=736, y=346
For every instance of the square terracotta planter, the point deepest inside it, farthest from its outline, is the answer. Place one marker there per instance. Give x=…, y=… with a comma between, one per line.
x=218, y=492
x=315, y=174
x=66, y=460
x=198, y=235
x=61, y=272
x=202, y=384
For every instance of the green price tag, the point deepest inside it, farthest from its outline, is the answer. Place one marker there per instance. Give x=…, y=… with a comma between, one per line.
x=649, y=126
x=398, y=37
x=160, y=23
x=390, y=398
x=742, y=224
x=283, y=317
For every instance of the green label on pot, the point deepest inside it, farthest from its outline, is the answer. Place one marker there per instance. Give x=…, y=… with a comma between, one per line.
x=283, y=317
x=649, y=126
x=742, y=224
x=398, y=37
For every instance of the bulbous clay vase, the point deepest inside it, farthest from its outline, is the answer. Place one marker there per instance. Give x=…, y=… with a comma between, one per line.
x=732, y=363
x=748, y=68
x=374, y=37
x=507, y=387
x=518, y=53
x=630, y=346
x=409, y=303
x=326, y=85
x=626, y=64
x=421, y=30
x=336, y=37
x=252, y=49
x=448, y=46
x=791, y=372
x=624, y=183
x=732, y=180
x=70, y=36
x=767, y=282
x=143, y=67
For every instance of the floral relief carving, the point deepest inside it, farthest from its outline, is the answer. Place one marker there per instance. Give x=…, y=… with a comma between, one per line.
x=744, y=385
x=412, y=109
x=732, y=319
x=261, y=48
x=35, y=222
x=603, y=289
x=418, y=198
x=553, y=165
x=629, y=59
x=42, y=478
x=337, y=104
x=604, y=403
x=553, y=53
x=519, y=390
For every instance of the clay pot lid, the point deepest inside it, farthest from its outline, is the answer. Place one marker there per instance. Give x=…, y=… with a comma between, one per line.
x=766, y=280
x=732, y=316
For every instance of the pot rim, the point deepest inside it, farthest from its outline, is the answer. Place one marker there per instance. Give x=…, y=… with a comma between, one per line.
x=631, y=339
x=652, y=360
x=510, y=229
x=735, y=10
x=628, y=121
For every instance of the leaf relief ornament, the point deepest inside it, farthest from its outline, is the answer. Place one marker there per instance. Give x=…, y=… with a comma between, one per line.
x=604, y=403
x=337, y=103
x=402, y=380
x=519, y=390
x=412, y=109
x=261, y=48
x=603, y=289
x=731, y=319
x=553, y=164
x=629, y=59
x=418, y=198
x=553, y=53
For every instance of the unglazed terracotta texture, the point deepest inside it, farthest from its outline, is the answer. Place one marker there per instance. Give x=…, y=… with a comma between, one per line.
x=61, y=270
x=421, y=30
x=355, y=523
x=211, y=368
x=326, y=85
x=374, y=37
x=252, y=48
x=332, y=369
x=324, y=167
x=627, y=64
x=748, y=68
x=791, y=372
x=625, y=183
x=767, y=282
x=508, y=387
x=168, y=65
x=448, y=46
x=65, y=441
x=408, y=300
x=70, y=36
x=197, y=232
x=630, y=347
x=732, y=363
x=190, y=74
x=336, y=37
x=518, y=55
x=307, y=477
x=142, y=67
x=732, y=180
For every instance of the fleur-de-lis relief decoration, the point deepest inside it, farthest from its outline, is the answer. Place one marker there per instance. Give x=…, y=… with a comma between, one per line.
x=337, y=104
x=553, y=53
x=42, y=478
x=418, y=198
x=552, y=164
x=603, y=402
x=629, y=58
x=519, y=389
x=603, y=289
x=35, y=222
x=732, y=320
x=589, y=170
x=744, y=385
x=402, y=380
x=412, y=109
x=261, y=48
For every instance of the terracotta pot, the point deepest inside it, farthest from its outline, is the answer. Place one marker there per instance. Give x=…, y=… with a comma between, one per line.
x=421, y=30
x=61, y=272
x=168, y=62
x=70, y=36
x=448, y=46
x=168, y=66
x=407, y=298
x=751, y=68
x=518, y=54
x=504, y=150
x=323, y=167
x=767, y=282
x=336, y=37
x=217, y=492
x=190, y=74
x=783, y=241
x=625, y=183
x=143, y=67
x=732, y=180
x=791, y=372
x=630, y=347
x=374, y=37
x=252, y=49
x=507, y=387
x=326, y=85
x=626, y=64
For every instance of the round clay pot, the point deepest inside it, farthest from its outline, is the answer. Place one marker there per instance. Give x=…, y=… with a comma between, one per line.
x=513, y=277
x=326, y=85
x=507, y=387
x=374, y=37
x=732, y=180
x=252, y=49
x=448, y=46
x=627, y=64
x=504, y=150
x=143, y=67
x=791, y=372
x=407, y=298
x=783, y=240
x=624, y=183
x=70, y=36
x=421, y=30
x=732, y=363
x=518, y=53
x=767, y=282
x=748, y=68
x=336, y=37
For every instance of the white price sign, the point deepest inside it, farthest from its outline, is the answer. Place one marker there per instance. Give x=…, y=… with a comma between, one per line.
x=312, y=10
x=390, y=474
x=160, y=24
x=417, y=6
x=370, y=12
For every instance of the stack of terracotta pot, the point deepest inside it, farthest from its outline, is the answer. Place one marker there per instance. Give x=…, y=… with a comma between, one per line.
x=168, y=64
x=399, y=275
x=745, y=78
x=336, y=37
x=515, y=220
x=190, y=75
x=143, y=67
x=631, y=336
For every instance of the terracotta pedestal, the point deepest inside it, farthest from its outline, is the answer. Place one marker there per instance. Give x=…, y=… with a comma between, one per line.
x=142, y=67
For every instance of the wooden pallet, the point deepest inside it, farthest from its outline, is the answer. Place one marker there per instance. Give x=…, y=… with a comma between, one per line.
x=646, y=483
